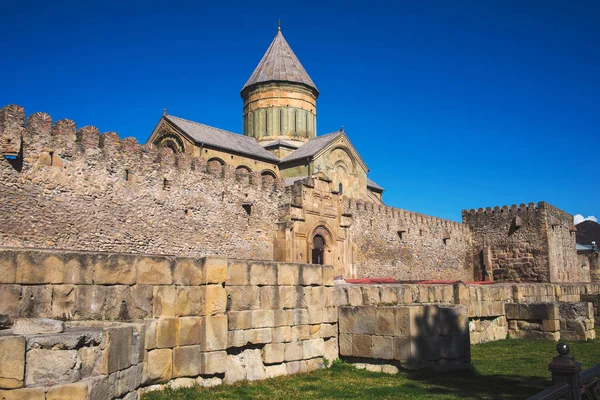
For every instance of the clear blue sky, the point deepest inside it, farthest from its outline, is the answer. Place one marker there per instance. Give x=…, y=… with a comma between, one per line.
x=452, y=104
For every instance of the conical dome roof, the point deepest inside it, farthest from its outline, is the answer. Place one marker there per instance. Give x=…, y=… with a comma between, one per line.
x=280, y=64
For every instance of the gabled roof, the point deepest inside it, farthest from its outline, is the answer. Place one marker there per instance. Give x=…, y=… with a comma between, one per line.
x=312, y=147
x=587, y=232
x=220, y=138
x=280, y=64
x=373, y=185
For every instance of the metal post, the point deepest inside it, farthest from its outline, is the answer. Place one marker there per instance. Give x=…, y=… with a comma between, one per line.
x=565, y=369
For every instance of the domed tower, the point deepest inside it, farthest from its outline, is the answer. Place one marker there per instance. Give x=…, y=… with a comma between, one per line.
x=280, y=98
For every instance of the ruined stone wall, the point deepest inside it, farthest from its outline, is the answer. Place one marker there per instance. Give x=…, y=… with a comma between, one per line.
x=511, y=242
x=562, y=253
x=525, y=243
x=190, y=320
x=389, y=242
x=81, y=190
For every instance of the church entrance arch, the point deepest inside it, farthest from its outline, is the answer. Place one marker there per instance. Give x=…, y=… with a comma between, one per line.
x=318, y=250
x=320, y=246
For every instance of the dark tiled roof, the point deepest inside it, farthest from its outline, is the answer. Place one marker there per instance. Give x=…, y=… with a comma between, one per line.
x=312, y=147
x=279, y=142
x=373, y=185
x=280, y=64
x=219, y=138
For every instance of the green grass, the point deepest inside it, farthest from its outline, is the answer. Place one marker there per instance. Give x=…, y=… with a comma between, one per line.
x=506, y=369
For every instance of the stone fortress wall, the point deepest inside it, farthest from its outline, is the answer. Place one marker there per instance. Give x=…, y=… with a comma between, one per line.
x=532, y=243
x=390, y=242
x=134, y=322
x=77, y=189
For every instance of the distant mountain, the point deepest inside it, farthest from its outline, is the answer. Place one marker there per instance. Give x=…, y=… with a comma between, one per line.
x=588, y=232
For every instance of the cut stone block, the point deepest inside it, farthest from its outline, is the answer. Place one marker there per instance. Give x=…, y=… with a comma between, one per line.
x=34, y=326
x=12, y=367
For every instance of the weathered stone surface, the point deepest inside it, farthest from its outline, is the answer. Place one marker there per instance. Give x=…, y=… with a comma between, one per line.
x=117, y=355
x=263, y=274
x=331, y=349
x=288, y=274
x=311, y=275
x=154, y=270
x=215, y=270
x=57, y=366
x=9, y=300
x=33, y=326
x=189, y=300
x=164, y=299
x=383, y=347
x=36, y=393
x=63, y=301
x=167, y=332
x=114, y=269
x=240, y=319
x=273, y=353
x=180, y=383
x=215, y=300
x=313, y=348
x=235, y=370
x=214, y=362
x=209, y=382
x=8, y=266
x=90, y=302
x=214, y=335
x=72, y=391
x=36, y=301
x=361, y=346
x=241, y=298
x=255, y=369
x=160, y=365
x=238, y=273
x=262, y=318
x=273, y=371
x=12, y=367
x=188, y=272
x=293, y=351
x=37, y=267
x=141, y=301
x=190, y=330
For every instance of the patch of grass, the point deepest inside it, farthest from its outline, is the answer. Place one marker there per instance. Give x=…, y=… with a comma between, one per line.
x=506, y=369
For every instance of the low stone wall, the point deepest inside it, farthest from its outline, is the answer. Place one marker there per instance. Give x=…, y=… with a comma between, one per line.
x=415, y=337
x=485, y=303
x=159, y=319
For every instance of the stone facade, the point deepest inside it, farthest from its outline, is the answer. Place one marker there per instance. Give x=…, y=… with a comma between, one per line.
x=525, y=243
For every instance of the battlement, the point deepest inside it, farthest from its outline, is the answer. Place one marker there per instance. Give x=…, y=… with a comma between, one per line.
x=40, y=142
x=354, y=206
x=506, y=209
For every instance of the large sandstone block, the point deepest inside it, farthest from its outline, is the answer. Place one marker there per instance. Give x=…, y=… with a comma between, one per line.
x=35, y=393
x=115, y=269
x=371, y=295
x=117, y=305
x=8, y=266
x=214, y=333
x=235, y=370
x=293, y=351
x=328, y=275
x=187, y=361
x=215, y=300
x=164, y=300
x=240, y=319
x=141, y=301
x=63, y=301
x=154, y=270
x=539, y=311
x=311, y=275
x=269, y=298
x=39, y=267
x=288, y=274
x=119, y=346
x=12, y=365
x=238, y=273
x=36, y=301
x=167, y=331
x=242, y=298
x=383, y=347
x=361, y=346
x=273, y=353
x=263, y=274
x=313, y=348
x=160, y=365
x=58, y=366
x=215, y=270
x=190, y=330
x=283, y=317
x=331, y=349
x=282, y=334
x=345, y=345
x=72, y=391
x=263, y=318
x=188, y=272
x=9, y=300
x=90, y=300
x=189, y=300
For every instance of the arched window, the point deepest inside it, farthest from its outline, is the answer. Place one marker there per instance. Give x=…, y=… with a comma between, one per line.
x=340, y=188
x=318, y=250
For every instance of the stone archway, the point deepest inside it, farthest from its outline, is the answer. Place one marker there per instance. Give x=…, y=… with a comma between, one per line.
x=320, y=246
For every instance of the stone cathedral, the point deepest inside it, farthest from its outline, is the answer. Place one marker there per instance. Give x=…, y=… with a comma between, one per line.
x=280, y=131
